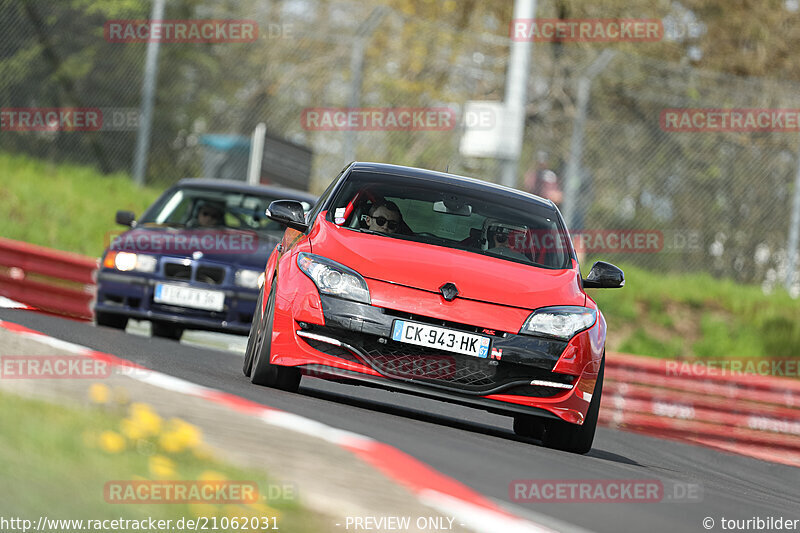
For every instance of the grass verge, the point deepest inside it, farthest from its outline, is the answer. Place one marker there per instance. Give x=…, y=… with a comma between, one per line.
x=695, y=315
x=55, y=461
x=64, y=206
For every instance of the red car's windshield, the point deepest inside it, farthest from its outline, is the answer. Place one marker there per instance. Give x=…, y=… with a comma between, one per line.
x=503, y=226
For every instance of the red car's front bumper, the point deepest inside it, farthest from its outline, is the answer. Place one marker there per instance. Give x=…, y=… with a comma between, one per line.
x=302, y=318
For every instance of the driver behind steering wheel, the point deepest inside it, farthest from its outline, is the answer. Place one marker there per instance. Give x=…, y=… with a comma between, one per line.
x=210, y=214
x=497, y=239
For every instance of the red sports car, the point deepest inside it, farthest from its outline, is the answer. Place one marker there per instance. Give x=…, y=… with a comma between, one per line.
x=441, y=286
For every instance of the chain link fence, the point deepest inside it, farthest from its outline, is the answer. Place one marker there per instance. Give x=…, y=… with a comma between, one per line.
x=720, y=202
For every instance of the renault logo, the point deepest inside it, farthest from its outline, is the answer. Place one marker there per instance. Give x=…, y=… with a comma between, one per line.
x=449, y=291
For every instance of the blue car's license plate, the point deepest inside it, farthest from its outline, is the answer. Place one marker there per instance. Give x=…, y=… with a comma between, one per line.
x=189, y=297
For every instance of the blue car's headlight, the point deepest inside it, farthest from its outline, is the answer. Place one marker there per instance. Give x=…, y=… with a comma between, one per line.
x=250, y=279
x=127, y=261
x=334, y=279
x=561, y=322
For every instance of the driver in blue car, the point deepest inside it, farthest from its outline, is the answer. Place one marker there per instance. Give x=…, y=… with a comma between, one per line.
x=209, y=215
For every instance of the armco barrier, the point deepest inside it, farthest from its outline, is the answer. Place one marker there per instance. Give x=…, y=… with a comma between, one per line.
x=755, y=415
x=50, y=280
x=748, y=414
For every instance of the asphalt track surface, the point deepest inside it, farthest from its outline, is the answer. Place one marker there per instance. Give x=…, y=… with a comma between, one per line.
x=479, y=449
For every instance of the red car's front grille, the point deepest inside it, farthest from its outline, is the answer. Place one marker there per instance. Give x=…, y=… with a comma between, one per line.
x=396, y=360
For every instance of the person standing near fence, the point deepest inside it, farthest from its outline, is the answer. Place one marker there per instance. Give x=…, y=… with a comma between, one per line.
x=542, y=181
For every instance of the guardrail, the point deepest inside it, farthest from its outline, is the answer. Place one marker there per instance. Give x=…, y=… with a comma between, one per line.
x=757, y=415
x=56, y=282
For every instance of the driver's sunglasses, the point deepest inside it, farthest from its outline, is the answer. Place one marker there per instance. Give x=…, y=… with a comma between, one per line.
x=213, y=214
x=501, y=234
x=391, y=224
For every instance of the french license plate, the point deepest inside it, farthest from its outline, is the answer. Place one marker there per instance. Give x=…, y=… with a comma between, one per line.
x=441, y=338
x=189, y=297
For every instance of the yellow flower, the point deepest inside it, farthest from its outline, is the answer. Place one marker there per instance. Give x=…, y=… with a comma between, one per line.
x=99, y=393
x=131, y=429
x=212, y=475
x=142, y=422
x=161, y=467
x=179, y=436
x=111, y=442
x=203, y=453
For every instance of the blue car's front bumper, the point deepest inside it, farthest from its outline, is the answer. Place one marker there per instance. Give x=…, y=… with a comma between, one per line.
x=131, y=295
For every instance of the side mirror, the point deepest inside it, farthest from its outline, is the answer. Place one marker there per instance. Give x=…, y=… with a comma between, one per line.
x=125, y=218
x=288, y=213
x=604, y=276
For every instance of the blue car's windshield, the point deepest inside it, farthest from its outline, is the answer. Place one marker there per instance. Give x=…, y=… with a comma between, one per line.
x=212, y=208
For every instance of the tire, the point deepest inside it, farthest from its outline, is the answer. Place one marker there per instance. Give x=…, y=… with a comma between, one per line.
x=166, y=331
x=111, y=320
x=528, y=426
x=247, y=366
x=263, y=372
x=571, y=437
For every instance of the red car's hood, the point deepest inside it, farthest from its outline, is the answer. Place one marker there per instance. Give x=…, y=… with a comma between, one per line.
x=428, y=267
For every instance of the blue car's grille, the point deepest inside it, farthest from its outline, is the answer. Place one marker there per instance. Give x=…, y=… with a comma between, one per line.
x=212, y=275
x=177, y=271
x=209, y=274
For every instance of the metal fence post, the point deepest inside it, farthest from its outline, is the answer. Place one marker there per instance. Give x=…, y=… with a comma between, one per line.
x=357, y=72
x=574, y=170
x=794, y=230
x=519, y=62
x=148, y=95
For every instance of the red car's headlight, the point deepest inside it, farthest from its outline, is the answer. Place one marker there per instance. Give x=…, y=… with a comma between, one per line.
x=333, y=278
x=561, y=322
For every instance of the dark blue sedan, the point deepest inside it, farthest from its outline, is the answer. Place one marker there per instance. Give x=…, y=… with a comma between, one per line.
x=194, y=260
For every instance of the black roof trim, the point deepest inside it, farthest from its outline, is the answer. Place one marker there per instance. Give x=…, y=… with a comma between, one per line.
x=242, y=187
x=472, y=183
